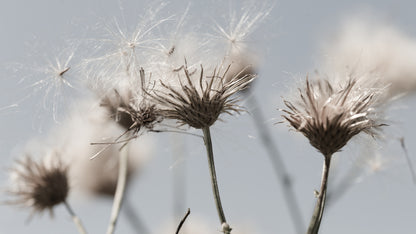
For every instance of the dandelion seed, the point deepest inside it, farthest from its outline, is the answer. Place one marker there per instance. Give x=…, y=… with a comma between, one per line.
x=39, y=185
x=125, y=52
x=244, y=59
x=241, y=27
x=53, y=81
x=179, y=42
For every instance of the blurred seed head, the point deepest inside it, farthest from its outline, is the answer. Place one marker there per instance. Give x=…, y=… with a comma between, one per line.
x=369, y=46
x=89, y=123
x=39, y=185
x=329, y=115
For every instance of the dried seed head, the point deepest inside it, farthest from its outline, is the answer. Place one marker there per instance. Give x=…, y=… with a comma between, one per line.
x=330, y=116
x=39, y=185
x=200, y=104
x=133, y=112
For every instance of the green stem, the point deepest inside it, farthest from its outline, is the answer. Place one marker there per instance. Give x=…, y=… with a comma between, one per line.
x=120, y=189
x=320, y=203
x=208, y=145
x=75, y=219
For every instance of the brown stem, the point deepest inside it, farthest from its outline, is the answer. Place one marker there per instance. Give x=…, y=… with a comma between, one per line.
x=183, y=221
x=320, y=203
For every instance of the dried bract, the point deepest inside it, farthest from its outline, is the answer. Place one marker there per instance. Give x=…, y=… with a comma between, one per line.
x=39, y=185
x=329, y=116
x=199, y=104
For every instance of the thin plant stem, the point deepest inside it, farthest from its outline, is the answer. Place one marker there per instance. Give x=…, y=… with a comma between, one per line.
x=134, y=218
x=409, y=162
x=120, y=189
x=179, y=175
x=75, y=219
x=188, y=212
x=320, y=203
x=208, y=145
x=278, y=165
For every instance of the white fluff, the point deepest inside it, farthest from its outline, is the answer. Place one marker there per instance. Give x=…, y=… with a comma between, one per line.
x=376, y=50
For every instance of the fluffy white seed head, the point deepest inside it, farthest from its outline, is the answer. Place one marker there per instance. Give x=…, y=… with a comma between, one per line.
x=378, y=49
x=90, y=123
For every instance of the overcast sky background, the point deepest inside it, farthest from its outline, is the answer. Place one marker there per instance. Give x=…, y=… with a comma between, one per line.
x=290, y=41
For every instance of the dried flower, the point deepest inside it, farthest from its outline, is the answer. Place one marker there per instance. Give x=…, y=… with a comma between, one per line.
x=199, y=105
x=39, y=185
x=329, y=116
x=114, y=103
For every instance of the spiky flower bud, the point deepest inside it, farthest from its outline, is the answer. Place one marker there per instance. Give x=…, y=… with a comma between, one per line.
x=330, y=115
x=39, y=185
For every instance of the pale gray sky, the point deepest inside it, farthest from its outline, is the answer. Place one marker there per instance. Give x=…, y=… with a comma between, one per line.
x=291, y=40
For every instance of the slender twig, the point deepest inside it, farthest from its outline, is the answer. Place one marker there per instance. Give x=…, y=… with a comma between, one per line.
x=409, y=162
x=134, y=218
x=208, y=145
x=178, y=176
x=120, y=189
x=75, y=219
x=183, y=221
x=320, y=203
x=278, y=164
x=347, y=182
